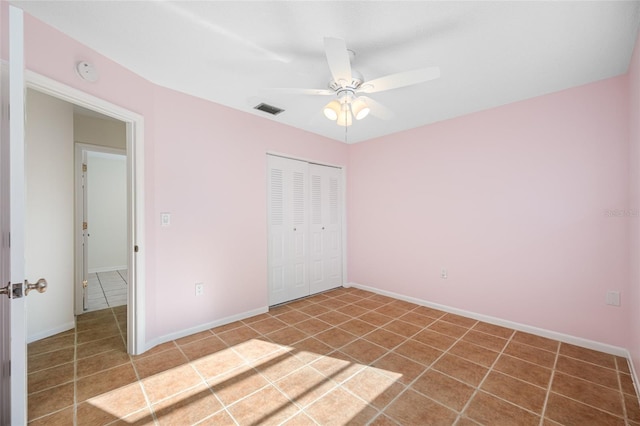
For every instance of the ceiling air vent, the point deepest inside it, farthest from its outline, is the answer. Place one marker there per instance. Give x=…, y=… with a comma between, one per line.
x=270, y=109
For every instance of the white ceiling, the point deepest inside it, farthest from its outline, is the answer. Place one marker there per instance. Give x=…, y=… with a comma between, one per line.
x=489, y=53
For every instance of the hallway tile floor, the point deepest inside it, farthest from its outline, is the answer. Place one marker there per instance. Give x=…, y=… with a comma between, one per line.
x=343, y=357
x=107, y=289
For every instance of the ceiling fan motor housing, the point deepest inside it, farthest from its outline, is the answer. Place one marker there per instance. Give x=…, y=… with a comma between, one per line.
x=355, y=83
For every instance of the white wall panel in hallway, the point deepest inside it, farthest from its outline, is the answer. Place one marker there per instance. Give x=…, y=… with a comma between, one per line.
x=49, y=213
x=107, y=211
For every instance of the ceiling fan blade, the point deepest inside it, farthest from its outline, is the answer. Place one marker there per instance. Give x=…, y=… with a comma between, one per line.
x=295, y=91
x=401, y=79
x=378, y=109
x=338, y=60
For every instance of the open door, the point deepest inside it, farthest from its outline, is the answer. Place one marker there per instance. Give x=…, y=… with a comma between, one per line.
x=5, y=313
x=14, y=288
x=12, y=157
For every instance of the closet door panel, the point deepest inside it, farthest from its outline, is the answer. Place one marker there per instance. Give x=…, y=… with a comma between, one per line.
x=288, y=229
x=333, y=231
x=316, y=181
x=326, y=255
x=277, y=249
x=299, y=235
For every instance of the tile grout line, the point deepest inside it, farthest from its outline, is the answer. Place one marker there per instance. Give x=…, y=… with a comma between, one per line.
x=102, y=288
x=336, y=385
x=549, y=385
x=206, y=383
x=135, y=370
x=409, y=386
x=340, y=385
x=624, y=404
x=460, y=339
x=103, y=298
x=392, y=350
x=602, y=410
x=381, y=411
x=123, y=278
x=484, y=378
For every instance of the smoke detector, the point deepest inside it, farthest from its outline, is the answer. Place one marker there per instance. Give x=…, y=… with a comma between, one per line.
x=87, y=71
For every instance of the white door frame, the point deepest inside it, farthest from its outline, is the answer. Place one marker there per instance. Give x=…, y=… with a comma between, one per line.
x=81, y=242
x=135, y=195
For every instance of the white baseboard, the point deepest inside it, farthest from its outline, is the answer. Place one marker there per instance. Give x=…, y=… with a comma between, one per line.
x=52, y=331
x=202, y=327
x=108, y=269
x=578, y=341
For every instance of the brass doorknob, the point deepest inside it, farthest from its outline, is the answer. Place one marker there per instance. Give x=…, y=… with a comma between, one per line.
x=40, y=286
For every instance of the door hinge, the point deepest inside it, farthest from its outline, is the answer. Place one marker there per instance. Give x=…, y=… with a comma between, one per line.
x=84, y=226
x=85, y=284
x=84, y=167
x=135, y=249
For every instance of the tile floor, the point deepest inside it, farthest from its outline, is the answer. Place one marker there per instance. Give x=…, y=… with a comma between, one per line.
x=107, y=289
x=343, y=357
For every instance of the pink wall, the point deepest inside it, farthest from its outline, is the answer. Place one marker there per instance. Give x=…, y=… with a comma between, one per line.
x=204, y=163
x=634, y=204
x=512, y=202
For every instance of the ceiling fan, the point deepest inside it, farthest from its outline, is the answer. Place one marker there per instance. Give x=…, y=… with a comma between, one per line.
x=348, y=85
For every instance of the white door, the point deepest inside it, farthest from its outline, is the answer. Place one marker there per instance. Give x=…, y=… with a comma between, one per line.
x=5, y=302
x=288, y=229
x=325, y=233
x=12, y=170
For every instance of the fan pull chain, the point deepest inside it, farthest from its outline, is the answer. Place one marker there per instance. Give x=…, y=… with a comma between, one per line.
x=346, y=128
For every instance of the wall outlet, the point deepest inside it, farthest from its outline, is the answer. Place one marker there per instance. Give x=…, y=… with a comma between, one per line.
x=165, y=219
x=199, y=289
x=444, y=274
x=613, y=298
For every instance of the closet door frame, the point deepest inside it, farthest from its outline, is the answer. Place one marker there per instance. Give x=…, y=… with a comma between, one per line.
x=343, y=202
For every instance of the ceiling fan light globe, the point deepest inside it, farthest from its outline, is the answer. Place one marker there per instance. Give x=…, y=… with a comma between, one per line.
x=332, y=110
x=360, y=109
x=363, y=113
x=330, y=114
x=344, y=119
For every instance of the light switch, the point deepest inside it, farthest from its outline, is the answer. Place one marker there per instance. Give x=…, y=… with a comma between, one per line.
x=165, y=219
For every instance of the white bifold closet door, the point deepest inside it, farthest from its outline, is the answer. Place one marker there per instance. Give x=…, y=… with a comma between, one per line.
x=325, y=237
x=304, y=221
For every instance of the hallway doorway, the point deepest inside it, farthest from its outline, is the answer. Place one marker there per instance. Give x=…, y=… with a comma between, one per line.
x=132, y=147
